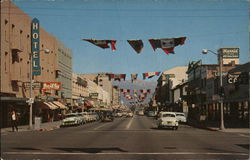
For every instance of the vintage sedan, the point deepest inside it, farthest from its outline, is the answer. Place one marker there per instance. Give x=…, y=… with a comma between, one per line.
x=71, y=119
x=168, y=120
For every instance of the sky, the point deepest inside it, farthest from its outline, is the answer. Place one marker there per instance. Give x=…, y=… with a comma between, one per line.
x=208, y=24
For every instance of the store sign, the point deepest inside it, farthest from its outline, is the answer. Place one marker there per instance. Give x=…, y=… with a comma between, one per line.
x=238, y=78
x=35, y=85
x=51, y=85
x=35, y=39
x=93, y=95
x=229, y=52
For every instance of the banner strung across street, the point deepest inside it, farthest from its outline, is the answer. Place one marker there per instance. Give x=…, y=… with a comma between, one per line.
x=166, y=44
x=102, y=43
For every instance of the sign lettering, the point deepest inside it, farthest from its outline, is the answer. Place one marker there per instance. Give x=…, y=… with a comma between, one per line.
x=35, y=47
x=51, y=86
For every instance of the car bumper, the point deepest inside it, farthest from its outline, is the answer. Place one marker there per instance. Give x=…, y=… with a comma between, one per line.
x=69, y=123
x=168, y=124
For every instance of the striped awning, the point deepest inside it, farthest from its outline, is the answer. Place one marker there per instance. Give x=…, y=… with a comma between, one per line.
x=60, y=105
x=50, y=105
x=88, y=103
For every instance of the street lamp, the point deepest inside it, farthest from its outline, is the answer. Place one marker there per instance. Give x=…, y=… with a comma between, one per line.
x=31, y=100
x=220, y=58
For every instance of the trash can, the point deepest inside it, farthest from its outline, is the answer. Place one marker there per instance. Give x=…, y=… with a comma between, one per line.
x=37, y=123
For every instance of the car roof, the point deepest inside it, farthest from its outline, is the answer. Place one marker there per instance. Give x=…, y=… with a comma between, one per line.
x=167, y=112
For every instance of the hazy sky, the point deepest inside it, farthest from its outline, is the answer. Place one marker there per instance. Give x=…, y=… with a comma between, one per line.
x=206, y=24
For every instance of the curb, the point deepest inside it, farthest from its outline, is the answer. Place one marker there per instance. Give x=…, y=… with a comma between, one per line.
x=48, y=129
x=203, y=127
x=211, y=129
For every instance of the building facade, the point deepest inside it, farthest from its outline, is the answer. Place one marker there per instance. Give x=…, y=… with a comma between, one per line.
x=204, y=94
x=15, y=77
x=169, y=79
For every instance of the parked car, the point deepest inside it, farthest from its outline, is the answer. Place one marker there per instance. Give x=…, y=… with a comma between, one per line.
x=167, y=119
x=180, y=116
x=71, y=119
x=130, y=114
x=82, y=118
x=118, y=114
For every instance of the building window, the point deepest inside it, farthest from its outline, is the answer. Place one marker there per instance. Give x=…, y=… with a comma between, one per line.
x=15, y=55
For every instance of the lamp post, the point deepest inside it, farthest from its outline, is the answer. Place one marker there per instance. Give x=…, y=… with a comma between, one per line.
x=31, y=100
x=220, y=58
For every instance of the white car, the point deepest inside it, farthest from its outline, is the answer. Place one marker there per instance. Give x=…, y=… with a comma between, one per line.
x=180, y=116
x=167, y=119
x=71, y=119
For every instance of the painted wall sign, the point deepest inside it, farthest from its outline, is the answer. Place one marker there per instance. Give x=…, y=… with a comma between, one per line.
x=35, y=47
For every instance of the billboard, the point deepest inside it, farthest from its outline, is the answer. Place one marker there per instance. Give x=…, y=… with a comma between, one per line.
x=229, y=52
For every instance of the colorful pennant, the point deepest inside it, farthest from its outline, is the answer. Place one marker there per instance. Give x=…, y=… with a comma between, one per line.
x=117, y=77
x=102, y=43
x=137, y=45
x=167, y=44
x=150, y=74
x=133, y=77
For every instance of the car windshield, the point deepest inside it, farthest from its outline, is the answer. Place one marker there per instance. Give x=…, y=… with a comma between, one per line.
x=168, y=115
x=178, y=114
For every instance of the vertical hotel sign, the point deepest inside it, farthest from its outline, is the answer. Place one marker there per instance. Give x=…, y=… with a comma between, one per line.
x=35, y=38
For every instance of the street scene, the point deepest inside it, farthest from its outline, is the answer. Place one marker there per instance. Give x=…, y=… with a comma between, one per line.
x=124, y=80
x=126, y=138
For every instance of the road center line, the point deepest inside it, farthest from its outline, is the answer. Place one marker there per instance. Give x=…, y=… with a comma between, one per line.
x=129, y=124
x=125, y=153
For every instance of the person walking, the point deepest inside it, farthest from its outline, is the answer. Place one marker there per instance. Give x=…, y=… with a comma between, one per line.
x=14, y=121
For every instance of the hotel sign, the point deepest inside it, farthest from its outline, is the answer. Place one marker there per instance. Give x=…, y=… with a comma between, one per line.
x=230, y=52
x=35, y=39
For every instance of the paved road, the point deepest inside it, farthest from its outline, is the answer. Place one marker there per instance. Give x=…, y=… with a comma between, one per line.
x=134, y=138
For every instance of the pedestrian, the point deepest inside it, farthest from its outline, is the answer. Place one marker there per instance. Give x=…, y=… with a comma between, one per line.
x=14, y=120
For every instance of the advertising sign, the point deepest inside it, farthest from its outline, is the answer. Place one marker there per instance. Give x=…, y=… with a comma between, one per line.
x=93, y=95
x=35, y=47
x=230, y=52
x=51, y=85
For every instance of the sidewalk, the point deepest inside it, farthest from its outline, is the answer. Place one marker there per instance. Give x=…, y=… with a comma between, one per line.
x=44, y=127
x=213, y=127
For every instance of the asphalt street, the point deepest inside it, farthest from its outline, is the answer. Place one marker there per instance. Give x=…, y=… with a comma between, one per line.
x=134, y=138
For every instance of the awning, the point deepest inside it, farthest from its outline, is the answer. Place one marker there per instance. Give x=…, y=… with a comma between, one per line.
x=51, y=105
x=60, y=105
x=88, y=103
